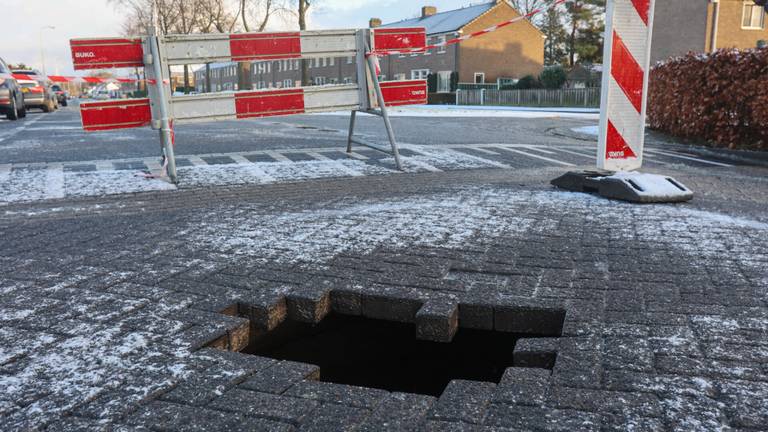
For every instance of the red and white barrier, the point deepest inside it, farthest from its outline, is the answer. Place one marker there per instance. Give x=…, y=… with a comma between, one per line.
x=134, y=113
x=629, y=28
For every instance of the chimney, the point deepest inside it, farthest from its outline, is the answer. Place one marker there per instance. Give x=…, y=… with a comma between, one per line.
x=374, y=22
x=428, y=11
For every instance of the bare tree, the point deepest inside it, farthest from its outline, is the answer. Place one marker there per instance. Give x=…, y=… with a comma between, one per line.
x=525, y=7
x=303, y=10
x=139, y=15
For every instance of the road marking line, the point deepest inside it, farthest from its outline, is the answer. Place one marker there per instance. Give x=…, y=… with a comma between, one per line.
x=318, y=156
x=277, y=156
x=195, y=160
x=540, y=150
x=481, y=150
x=357, y=156
x=483, y=160
x=424, y=165
x=104, y=166
x=19, y=129
x=153, y=165
x=350, y=171
x=260, y=173
x=576, y=153
x=54, y=181
x=688, y=158
x=538, y=157
x=240, y=160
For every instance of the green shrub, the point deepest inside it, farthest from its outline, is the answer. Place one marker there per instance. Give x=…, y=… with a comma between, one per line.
x=553, y=77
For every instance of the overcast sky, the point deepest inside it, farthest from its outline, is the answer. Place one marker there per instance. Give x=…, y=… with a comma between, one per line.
x=22, y=20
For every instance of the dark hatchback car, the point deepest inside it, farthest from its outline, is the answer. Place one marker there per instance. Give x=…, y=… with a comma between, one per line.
x=61, y=95
x=11, y=97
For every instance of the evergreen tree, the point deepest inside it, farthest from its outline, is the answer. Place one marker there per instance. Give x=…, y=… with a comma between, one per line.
x=555, y=46
x=585, y=21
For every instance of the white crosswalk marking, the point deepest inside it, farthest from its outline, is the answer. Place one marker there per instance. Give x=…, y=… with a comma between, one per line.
x=277, y=156
x=318, y=156
x=482, y=150
x=357, y=156
x=540, y=150
x=485, y=161
x=422, y=165
x=195, y=160
x=537, y=156
x=679, y=156
x=54, y=181
x=240, y=160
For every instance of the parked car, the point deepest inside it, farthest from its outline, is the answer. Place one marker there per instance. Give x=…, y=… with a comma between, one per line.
x=11, y=97
x=37, y=92
x=61, y=95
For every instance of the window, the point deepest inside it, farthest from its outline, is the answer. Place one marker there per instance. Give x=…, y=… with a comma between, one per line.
x=287, y=83
x=479, y=78
x=419, y=74
x=753, y=17
x=347, y=80
x=444, y=82
x=441, y=50
x=350, y=60
x=319, y=80
x=400, y=77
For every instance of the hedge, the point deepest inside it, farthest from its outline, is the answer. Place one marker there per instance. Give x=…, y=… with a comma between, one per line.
x=720, y=98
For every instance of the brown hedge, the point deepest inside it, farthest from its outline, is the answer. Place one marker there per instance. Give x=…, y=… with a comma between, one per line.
x=720, y=98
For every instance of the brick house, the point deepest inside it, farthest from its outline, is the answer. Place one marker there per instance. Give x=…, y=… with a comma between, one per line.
x=505, y=55
x=279, y=74
x=502, y=56
x=706, y=25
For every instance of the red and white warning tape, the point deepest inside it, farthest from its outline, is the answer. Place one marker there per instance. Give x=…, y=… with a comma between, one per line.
x=533, y=13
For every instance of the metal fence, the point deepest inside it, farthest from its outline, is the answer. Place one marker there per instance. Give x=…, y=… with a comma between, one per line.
x=587, y=98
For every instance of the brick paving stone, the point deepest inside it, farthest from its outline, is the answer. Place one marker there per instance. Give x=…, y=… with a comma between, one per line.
x=265, y=405
x=338, y=394
x=168, y=416
x=332, y=417
x=281, y=376
x=401, y=412
x=116, y=312
x=463, y=401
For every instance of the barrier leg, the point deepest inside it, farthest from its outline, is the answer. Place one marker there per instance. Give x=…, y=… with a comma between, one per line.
x=170, y=157
x=163, y=105
x=384, y=114
x=351, y=131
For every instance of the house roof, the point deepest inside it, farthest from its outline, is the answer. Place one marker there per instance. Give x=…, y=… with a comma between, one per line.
x=446, y=22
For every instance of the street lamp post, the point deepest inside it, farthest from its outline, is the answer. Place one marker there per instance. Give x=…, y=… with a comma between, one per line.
x=42, y=49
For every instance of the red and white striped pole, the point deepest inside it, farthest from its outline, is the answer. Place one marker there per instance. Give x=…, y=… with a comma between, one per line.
x=628, y=34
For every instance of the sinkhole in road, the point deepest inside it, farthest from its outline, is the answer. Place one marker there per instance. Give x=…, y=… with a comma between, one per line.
x=386, y=355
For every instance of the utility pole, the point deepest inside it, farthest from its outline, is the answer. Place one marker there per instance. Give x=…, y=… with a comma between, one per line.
x=42, y=47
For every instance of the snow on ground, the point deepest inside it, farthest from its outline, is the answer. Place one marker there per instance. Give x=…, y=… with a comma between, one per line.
x=449, y=220
x=44, y=183
x=97, y=357
x=587, y=130
x=485, y=111
x=36, y=184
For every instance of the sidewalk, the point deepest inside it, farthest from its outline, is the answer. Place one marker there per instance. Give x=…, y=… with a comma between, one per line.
x=122, y=312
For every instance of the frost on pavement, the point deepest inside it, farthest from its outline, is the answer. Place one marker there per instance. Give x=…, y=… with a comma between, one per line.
x=120, y=347
x=452, y=219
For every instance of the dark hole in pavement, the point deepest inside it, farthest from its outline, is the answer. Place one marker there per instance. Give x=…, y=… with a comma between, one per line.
x=386, y=355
